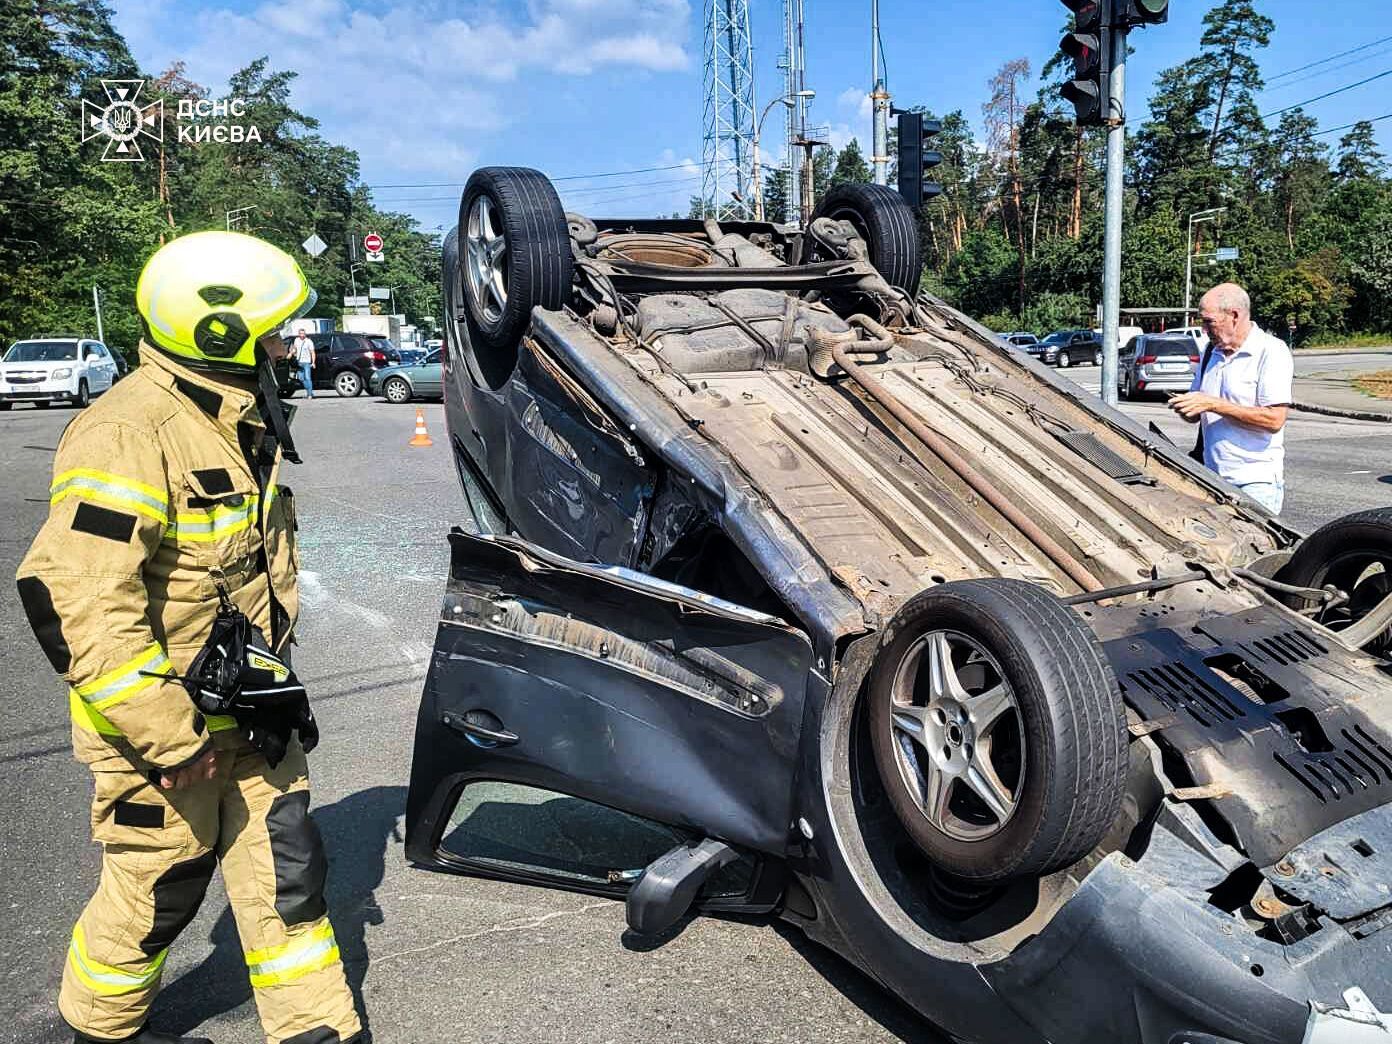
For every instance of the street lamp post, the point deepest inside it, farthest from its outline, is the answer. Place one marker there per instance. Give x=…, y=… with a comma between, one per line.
x=758, y=174
x=1196, y=218
x=352, y=275
x=96, y=304
x=234, y=216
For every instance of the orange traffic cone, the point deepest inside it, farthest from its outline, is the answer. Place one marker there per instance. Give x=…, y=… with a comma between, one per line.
x=422, y=437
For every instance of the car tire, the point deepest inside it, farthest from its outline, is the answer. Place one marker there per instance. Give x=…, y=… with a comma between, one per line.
x=348, y=383
x=396, y=390
x=515, y=255
x=1346, y=553
x=998, y=729
x=83, y=399
x=1124, y=390
x=1064, y=360
x=1097, y=357
x=885, y=222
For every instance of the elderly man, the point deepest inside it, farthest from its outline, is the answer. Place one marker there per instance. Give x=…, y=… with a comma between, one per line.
x=1241, y=394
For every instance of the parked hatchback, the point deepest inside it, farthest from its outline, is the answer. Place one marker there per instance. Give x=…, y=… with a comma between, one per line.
x=55, y=369
x=1156, y=362
x=345, y=361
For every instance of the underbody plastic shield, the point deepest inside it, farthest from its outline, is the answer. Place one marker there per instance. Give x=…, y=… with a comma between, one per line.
x=610, y=686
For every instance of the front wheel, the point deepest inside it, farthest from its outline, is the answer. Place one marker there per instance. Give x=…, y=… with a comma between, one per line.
x=886, y=223
x=348, y=384
x=1097, y=357
x=1064, y=360
x=397, y=390
x=998, y=729
x=84, y=396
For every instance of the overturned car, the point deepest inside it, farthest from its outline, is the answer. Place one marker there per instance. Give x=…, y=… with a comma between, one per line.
x=792, y=591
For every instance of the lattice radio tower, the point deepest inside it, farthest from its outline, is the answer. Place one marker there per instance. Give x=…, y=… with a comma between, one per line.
x=727, y=186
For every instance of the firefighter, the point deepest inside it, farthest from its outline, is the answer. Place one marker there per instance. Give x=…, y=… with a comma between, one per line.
x=164, y=495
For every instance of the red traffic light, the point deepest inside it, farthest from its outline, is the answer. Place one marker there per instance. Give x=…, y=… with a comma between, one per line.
x=1086, y=51
x=1088, y=15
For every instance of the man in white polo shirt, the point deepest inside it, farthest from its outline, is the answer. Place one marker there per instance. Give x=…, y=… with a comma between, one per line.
x=1241, y=395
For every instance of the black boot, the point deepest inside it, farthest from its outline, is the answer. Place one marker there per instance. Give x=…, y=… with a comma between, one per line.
x=145, y=1036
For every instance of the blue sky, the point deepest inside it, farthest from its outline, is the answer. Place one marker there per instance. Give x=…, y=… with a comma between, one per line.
x=426, y=90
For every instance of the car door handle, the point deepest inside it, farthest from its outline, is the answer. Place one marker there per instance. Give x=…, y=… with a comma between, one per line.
x=478, y=733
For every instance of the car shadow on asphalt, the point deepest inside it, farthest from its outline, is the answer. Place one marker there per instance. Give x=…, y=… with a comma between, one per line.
x=867, y=995
x=357, y=831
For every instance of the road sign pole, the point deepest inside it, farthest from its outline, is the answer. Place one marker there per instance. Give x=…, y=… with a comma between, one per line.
x=1111, y=260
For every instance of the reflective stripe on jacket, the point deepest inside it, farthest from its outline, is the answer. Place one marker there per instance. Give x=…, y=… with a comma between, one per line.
x=155, y=494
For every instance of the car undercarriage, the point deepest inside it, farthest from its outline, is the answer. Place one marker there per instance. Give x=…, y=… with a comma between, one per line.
x=904, y=639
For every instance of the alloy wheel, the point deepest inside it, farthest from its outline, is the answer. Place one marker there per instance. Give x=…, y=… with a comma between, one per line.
x=485, y=263
x=958, y=735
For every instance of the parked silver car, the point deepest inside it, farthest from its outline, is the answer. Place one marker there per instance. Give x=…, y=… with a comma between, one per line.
x=1155, y=363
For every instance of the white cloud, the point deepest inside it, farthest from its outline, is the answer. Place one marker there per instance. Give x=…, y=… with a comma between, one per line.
x=418, y=81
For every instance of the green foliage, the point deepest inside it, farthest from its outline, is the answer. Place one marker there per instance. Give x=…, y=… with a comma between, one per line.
x=71, y=221
x=1314, y=228
x=851, y=166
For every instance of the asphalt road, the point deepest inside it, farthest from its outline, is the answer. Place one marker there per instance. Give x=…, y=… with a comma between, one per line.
x=431, y=957
x=1333, y=465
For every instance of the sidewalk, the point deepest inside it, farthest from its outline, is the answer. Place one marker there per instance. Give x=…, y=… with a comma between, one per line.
x=1335, y=395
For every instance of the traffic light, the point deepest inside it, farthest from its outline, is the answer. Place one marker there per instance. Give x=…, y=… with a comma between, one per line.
x=916, y=159
x=1131, y=13
x=1091, y=64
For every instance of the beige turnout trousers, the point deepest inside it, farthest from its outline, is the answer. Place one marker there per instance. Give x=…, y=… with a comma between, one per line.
x=160, y=850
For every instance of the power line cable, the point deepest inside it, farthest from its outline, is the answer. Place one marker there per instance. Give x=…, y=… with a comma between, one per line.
x=1324, y=61
x=1327, y=94
x=1355, y=123
x=565, y=177
x=1325, y=72
x=591, y=188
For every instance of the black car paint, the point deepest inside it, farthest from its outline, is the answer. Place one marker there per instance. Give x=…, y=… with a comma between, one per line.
x=1132, y=957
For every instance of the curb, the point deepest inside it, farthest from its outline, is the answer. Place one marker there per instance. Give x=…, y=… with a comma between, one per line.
x=1330, y=411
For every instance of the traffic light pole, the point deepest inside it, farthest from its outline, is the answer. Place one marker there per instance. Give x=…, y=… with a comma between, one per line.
x=1115, y=39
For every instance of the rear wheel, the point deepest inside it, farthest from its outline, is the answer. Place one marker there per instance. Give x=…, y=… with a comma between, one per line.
x=348, y=384
x=397, y=390
x=889, y=228
x=515, y=255
x=998, y=729
x=1354, y=554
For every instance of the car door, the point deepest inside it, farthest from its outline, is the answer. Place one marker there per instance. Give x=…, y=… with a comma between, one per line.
x=659, y=704
x=107, y=365
x=427, y=376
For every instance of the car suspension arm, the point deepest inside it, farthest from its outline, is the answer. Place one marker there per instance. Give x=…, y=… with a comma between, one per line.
x=841, y=351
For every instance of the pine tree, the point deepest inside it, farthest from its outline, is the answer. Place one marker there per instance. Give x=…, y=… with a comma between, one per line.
x=1359, y=158
x=851, y=166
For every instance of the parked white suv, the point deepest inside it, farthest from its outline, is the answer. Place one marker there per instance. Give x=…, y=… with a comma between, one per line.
x=55, y=369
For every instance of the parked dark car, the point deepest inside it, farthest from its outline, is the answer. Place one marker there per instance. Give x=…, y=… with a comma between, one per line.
x=1156, y=363
x=1064, y=348
x=343, y=362
x=793, y=591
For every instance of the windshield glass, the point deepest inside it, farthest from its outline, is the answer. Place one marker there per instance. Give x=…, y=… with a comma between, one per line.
x=1056, y=338
x=42, y=351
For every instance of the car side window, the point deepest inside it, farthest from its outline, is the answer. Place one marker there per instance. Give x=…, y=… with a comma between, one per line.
x=343, y=343
x=433, y=357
